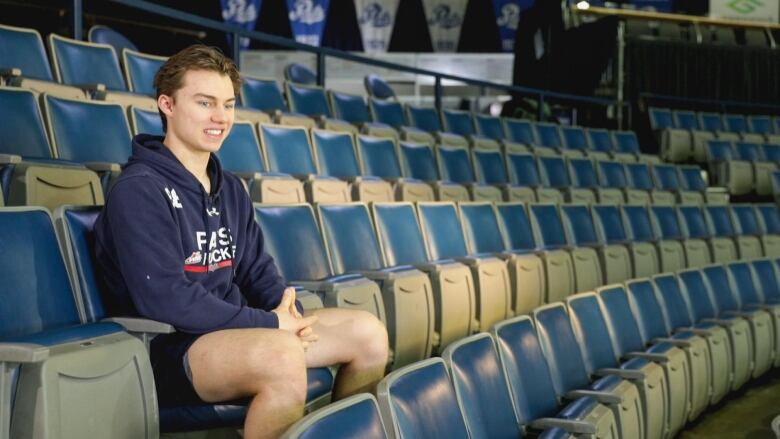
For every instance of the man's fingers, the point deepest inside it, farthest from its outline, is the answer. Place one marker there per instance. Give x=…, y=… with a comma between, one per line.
x=287, y=297
x=305, y=322
x=305, y=332
x=311, y=338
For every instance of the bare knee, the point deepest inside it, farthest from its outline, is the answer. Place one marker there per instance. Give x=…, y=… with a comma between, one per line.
x=370, y=336
x=279, y=367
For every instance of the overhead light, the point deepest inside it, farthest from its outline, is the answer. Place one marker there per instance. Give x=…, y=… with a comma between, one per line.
x=583, y=5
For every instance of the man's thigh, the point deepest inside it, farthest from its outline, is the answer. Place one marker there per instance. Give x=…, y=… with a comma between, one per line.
x=232, y=363
x=343, y=333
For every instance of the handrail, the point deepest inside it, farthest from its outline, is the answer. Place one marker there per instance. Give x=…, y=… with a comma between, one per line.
x=707, y=102
x=322, y=52
x=679, y=18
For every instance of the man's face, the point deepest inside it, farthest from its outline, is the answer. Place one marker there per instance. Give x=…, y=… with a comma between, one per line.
x=200, y=113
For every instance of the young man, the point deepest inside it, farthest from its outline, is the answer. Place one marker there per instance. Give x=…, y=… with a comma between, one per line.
x=177, y=242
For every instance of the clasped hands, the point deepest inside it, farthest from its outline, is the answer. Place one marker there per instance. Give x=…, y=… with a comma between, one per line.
x=292, y=320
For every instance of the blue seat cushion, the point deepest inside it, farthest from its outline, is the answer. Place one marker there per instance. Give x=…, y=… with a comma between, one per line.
x=69, y=334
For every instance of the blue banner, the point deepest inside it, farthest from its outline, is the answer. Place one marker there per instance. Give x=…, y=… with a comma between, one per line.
x=241, y=13
x=507, y=17
x=307, y=20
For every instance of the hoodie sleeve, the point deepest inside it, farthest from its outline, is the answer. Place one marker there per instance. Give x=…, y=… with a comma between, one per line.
x=256, y=274
x=150, y=256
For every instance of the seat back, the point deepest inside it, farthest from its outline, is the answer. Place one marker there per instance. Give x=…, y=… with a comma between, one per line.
x=399, y=233
x=262, y=94
x=388, y=112
x=376, y=87
x=442, y=229
x=592, y=329
x=719, y=151
x=666, y=177
x=67, y=118
x=547, y=226
x=735, y=123
x=335, y=153
x=379, y=157
x=293, y=239
x=767, y=277
x=660, y=118
x=626, y=142
x=574, y=138
x=612, y=174
x=458, y=122
x=523, y=170
x=638, y=225
x=240, y=152
x=352, y=417
x=481, y=387
x=287, y=149
x=711, y=121
x=454, y=164
x=553, y=172
x=23, y=49
x=691, y=178
x=489, y=166
x=421, y=402
x=140, y=70
x=748, y=151
x=647, y=309
x=534, y=395
x=582, y=173
x=771, y=152
x=639, y=176
x=600, y=140
x=105, y=35
x=515, y=226
x=719, y=221
x=308, y=100
x=672, y=300
x=79, y=62
x=665, y=222
x=686, y=120
x=418, y=160
x=760, y=124
x=724, y=297
x=483, y=234
x=693, y=223
x=349, y=237
x=743, y=283
x=768, y=219
x=490, y=127
x=424, y=118
x=745, y=220
x=299, y=74
x=609, y=224
x=579, y=224
x=625, y=329
x=349, y=107
x=697, y=294
x=549, y=135
x=520, y=131
x=145, y=121
x=561, y=348
x=22, y=132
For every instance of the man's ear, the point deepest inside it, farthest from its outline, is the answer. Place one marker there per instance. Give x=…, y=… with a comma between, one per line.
x=165, y=104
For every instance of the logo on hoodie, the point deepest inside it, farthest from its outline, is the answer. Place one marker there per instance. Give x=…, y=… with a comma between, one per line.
x=195, y=258
x=173, y=197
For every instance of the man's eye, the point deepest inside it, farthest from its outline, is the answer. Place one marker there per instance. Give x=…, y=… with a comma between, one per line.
x=230, y=106
x=204, y=104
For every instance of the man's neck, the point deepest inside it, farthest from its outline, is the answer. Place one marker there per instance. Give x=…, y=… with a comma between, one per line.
x=196, y=162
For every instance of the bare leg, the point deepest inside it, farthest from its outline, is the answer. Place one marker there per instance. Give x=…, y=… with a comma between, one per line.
x=354, y=339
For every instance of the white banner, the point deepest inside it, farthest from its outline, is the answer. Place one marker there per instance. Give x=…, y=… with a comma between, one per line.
x=748, y=10
x=376, y=19
x=445, y=19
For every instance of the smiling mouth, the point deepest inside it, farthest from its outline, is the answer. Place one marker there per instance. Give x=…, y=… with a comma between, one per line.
x=213, y=132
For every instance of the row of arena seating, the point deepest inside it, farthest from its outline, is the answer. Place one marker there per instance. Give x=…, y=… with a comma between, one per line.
x=432, y=272
x=637, y=360
x=682, y=134
x=742, y=167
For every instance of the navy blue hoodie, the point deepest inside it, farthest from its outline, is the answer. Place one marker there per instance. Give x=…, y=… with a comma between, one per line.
x=171, y=252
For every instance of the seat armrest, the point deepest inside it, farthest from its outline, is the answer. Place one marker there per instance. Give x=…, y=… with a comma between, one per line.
x=673, y=341
x=602, y=397
x=628, y=374
x=9, y=159
x=96, y=91
x=141, y=325
x=655, y=358
x=23, y=353
x=570, y=425
x=721, y=322
x=103, y=166
x=247, y=175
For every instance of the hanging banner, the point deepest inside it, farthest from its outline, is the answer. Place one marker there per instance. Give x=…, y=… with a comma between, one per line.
x=376, y=19
x=749, y=10
x=507, y=17
x=307, y=19
x=241, y=13
x=445, y=19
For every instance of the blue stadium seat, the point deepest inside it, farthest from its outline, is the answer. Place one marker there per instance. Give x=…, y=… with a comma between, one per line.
x=140, y=70
x=522, y=132
x=549, y=135
x=691, y=179
x=299, y=74
x=401, y=242
x=23, y=132
x=350, y=418
x=639, y=178
x=145, y=121
x=444, y=237
x=490, y=169
x=526, y=270
x=767, y=279
x=627, y=148
x=584, y=181
x=644, y=254
x=592, y=330
x=748, y=229
x=481, y=387
x=349, y=107
x=613, y=178
x=312, y=101
x=551, y=234
x=632, y=342
x=524, y=172
x=724, y=246
x=537, y=401
x=612, y=235
x=574, y=139
x=763, y=167
x=419, y=402
x=391, y=113
x=376, y=87
x=698, y=249
x=353, y=248
x=62, y=375
x=729, y=304
x=667, y=178
x=669, y=234
x=674, y=142
x=760, y=124
x=572, y=378
x=490, y=127
x=601, y=143
x=726, y=170
x=379, y=158
x=105, y=35
x=455, y=165
x=262, y=94
x=698, y=293
x=287, y=150
x=768, y=220
x=337, y=157
x=614, y=259
x=427, y=119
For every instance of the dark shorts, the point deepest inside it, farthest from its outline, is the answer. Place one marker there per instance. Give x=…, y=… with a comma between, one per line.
x=172, y=376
